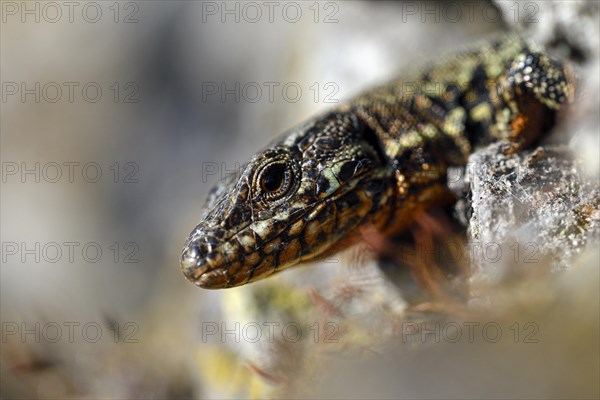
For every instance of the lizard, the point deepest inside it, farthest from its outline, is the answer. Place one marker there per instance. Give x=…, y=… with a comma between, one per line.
x=374, y=161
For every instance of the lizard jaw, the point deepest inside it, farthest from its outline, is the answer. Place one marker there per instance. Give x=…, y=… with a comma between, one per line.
x=202, y=263
x=215, y=264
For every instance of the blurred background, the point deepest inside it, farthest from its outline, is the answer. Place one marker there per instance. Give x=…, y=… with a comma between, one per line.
x=116, y=120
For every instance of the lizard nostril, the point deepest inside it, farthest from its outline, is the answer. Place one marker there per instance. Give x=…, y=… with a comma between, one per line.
x=199, y=250
x=193, y=252
x=203, y=248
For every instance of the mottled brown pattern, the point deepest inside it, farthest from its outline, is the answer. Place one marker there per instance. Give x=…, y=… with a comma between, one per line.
x=372, y=162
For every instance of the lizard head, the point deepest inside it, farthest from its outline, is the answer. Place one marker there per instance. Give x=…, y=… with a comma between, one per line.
x=293, y=201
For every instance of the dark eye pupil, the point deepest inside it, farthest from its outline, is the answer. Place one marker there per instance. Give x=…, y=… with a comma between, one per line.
x=273, y=180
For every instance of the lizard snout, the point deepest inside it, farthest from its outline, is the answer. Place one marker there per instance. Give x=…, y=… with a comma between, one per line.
x=199, y=263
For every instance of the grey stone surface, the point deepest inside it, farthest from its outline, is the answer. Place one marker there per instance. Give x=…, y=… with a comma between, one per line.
x=532, y=207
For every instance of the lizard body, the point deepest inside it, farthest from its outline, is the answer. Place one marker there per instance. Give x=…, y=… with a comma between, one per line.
x=373, y=161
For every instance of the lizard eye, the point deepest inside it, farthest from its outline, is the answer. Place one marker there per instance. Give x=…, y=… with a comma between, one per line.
x=275, y=180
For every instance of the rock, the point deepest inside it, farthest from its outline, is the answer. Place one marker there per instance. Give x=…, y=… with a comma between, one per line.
x=529, y=208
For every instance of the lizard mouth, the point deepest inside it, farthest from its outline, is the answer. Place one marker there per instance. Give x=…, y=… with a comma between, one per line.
x=214, y=259
x=202, y=262
x=212, y=264
x=197, y=270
